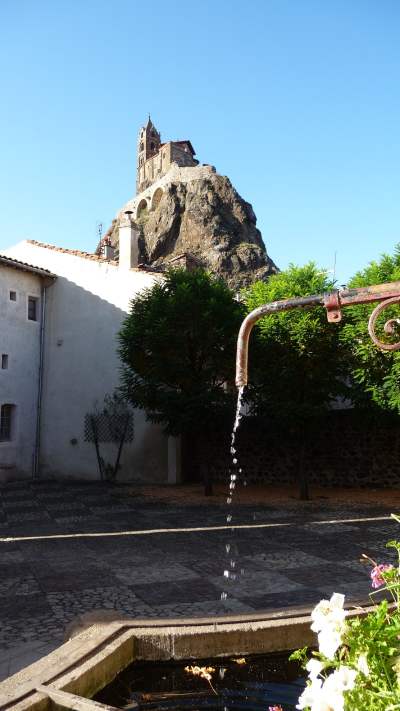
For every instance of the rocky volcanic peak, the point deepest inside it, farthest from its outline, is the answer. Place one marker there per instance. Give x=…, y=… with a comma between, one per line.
x=206, y=219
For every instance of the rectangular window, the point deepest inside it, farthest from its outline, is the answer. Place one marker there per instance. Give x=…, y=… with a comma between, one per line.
x=32, y=308
x=13, y=295
x=4, y=361
x=6, y=422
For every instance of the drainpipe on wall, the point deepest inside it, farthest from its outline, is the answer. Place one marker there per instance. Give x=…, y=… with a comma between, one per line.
x=43, y=295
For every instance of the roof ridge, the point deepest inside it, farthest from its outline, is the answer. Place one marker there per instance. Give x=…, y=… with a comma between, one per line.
x=73, y=252
x=24, y=266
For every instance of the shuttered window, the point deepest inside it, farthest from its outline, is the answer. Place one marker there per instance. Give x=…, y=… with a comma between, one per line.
x=6, y=422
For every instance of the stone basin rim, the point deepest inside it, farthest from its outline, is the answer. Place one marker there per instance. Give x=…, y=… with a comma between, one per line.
x=91, y=660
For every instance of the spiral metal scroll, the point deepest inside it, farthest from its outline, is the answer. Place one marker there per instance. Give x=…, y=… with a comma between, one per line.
x=389, y=327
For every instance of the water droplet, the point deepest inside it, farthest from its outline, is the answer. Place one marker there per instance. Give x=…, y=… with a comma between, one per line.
x=233, y=450
x=222, y=674
x=234, y=477
x=240, y=470
x=234, y=460
x=245, y=483
x=233, y=576
x=228, y=518
x=226, y=573
x=228, y=547
x=233, y=563
x=223, y=596
x=242, y=571
x=229, y=500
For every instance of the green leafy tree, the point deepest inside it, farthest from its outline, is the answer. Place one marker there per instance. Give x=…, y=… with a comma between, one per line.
x=177, y=347
x=296, y=370
x=375, y=373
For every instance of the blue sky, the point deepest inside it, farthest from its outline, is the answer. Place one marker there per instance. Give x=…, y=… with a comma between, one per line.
x=297, y=101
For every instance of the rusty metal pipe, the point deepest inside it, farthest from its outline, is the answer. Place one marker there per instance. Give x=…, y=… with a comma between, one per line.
x=368, y=294
x=254, y=316
x=333, y=301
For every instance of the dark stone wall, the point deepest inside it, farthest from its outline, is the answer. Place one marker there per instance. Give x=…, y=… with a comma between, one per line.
x=341, y=449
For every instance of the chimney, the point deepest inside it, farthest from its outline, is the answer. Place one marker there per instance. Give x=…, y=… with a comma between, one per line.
x=108, y=251
x=128, y=242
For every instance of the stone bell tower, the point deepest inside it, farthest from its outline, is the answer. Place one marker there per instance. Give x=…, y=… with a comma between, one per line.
x=149, y=141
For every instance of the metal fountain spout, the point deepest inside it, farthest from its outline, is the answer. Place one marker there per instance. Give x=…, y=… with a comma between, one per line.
x=333, y=302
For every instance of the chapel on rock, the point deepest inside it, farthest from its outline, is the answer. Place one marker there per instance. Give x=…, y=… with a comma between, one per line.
x=154, y=158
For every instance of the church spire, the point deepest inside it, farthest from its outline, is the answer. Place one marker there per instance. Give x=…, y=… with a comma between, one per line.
x=149, y=141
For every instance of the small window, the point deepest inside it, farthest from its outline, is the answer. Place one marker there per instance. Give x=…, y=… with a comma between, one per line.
x=32, y=308
x=4, y=361
x=6, y=422
x=13, y=295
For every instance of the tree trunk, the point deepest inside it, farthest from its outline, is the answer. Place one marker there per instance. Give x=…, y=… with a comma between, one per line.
x=120, y=446
x=208, y=482
x=302, y=474
x=96, y=444
x=194, y=469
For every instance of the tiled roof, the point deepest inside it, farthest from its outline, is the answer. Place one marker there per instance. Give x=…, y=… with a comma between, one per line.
x=74, y=252
x=87, y=255
x=179, y=143
x=188, y=143
x=23, y=266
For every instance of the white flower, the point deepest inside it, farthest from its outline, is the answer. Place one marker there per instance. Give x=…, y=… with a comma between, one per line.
x=328, y=696
x=329, y=622
x=314, y=667
x=342, y=679
x=362, y=665
x=310, y=695
x=317, y=699
x=328, y=612
x=329, y=640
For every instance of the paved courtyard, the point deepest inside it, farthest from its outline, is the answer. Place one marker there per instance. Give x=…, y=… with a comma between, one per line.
x=69, y=549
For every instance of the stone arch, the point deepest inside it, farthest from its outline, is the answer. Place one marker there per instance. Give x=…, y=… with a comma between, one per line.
x=142, y=207
x=157, y=195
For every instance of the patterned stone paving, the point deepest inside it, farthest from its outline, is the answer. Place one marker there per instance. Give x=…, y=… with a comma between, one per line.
x=47, y=583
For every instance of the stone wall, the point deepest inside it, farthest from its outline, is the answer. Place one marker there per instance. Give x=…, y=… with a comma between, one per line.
x=176, y=175
x=157, y=165
x=343, y=449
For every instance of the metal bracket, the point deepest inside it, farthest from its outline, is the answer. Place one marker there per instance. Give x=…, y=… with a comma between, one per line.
x=332, y=305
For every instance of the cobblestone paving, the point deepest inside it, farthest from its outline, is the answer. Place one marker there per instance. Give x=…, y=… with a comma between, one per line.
x=47, y=582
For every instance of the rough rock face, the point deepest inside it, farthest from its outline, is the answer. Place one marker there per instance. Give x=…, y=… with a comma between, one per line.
x=207, y=220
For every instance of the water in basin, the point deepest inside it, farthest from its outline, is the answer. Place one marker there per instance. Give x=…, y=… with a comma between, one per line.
x=257, y=683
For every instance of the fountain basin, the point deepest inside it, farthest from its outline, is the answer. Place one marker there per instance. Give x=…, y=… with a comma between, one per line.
x=71, y=675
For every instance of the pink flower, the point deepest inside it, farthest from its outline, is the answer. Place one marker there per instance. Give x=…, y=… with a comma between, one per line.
x=376, y=574
x=275, y=708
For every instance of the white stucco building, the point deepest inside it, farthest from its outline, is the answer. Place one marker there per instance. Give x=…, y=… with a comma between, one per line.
x=79, y=320
x=22, y=290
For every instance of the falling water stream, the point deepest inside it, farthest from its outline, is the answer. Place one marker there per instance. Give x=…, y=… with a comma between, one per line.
x=235, y=476
x=257, y=683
